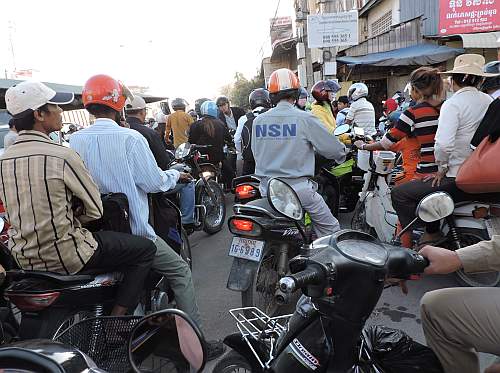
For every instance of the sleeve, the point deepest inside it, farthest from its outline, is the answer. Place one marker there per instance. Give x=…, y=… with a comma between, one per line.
x=194, y=133
x=488, y=125
x=239, y=130
x=449, y=120
x=483, y=256
x=168, y=128
x=340, y=118
x=323, y=141
x=402, y=129
x=159, y=151
x=148, y=176
x=351, y=113
x=77, y=179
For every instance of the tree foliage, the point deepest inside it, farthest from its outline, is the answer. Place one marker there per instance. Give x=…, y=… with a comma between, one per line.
x=239, y=90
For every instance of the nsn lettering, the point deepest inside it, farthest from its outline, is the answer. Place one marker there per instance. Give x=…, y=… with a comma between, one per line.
x=276, y=130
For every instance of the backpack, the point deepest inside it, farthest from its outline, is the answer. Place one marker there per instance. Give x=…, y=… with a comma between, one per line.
x=115, y=215
x=246, y=136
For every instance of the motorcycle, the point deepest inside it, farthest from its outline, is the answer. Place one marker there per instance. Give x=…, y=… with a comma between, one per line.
x=246, y=188
x=210, y=200
x=466, y=223
x=342, y=277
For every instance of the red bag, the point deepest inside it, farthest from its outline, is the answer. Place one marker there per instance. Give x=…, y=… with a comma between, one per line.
x=480, y=173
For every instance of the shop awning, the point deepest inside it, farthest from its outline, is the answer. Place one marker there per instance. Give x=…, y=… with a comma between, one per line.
x=481, y=40
x=417, y=55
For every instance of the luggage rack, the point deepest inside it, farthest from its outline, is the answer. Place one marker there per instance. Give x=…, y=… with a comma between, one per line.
x=255, y=324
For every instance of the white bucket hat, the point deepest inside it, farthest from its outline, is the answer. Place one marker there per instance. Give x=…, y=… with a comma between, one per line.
x=469, y=64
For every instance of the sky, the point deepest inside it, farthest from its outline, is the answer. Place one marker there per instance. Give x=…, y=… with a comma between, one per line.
x=184, y=48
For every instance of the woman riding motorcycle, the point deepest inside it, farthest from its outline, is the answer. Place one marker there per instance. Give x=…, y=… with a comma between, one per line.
x=324, y=94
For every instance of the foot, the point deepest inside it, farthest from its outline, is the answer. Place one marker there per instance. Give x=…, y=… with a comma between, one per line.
x=214, y=349
x=189, y=228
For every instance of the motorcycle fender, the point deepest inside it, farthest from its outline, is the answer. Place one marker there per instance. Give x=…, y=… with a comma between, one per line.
x=238, y=344
x=241, y=274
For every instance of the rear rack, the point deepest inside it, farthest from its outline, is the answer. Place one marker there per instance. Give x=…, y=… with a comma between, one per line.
x=255, y=324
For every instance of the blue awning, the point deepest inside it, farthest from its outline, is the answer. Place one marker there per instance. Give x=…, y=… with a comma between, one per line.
x=417, y=55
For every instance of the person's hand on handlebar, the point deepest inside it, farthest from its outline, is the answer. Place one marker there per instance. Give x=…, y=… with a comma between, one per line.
x=442, y=261
x=359, y=144
x=185, y=178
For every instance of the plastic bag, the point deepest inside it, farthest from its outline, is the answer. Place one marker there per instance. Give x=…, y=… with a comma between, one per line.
x=396, y=352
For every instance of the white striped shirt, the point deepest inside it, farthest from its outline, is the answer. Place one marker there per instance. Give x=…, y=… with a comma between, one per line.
x=120, y=161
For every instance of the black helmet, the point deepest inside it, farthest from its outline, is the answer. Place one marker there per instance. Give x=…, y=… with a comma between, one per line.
x=221, y=100
x=303, y=93
x=259, y=97
x=178, y=104
x=197, y=105
x=493, y=82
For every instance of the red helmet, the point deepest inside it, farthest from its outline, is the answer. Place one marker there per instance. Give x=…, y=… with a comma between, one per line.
x=320, y=90
x=104, y=90
x=390, y=105
x=282, y=83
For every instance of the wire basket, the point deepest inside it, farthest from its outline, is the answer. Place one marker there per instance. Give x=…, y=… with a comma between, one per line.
x=104, y=339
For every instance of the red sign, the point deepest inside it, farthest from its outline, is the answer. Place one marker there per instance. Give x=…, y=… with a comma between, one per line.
x=468, y=16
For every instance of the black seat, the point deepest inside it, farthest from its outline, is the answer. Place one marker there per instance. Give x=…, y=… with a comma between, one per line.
x=63, y=279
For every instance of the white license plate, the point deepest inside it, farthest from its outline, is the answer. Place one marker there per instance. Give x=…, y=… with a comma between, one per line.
x=246, y=248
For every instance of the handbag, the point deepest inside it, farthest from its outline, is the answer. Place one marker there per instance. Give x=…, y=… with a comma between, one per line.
x=480, y=172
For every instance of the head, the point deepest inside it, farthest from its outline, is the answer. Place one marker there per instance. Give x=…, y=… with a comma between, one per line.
x=223, y=105
x=283, y=86
x=467, y=71
x=209, y=109
x=259, y=98
x=324, y=91
x=302, y=100
x=390, y=105
x=425, y=84
x=343, y=102
x=136, y=108
x=178, y=104
x=193, y=114
x=197, y=105
x=160, y=118
x=357, y=91
x=34, y=106
x=492, y=84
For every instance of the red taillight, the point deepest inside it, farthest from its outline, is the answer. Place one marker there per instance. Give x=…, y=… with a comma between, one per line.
x=2, y=208
x=245, y=191
x=33, y=302
x=242, y=225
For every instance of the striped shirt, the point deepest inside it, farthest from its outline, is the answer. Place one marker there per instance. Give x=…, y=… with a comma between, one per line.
x=362, y=114
x=120, y=161
x=420, y=121
x=39, y=180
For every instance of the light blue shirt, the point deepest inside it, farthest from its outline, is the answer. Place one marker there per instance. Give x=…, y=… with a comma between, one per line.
x=120, y=161
x=341, y=116
x=231, y=123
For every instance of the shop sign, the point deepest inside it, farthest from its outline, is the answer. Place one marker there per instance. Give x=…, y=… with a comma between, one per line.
x=468, y=16
x=332, y=29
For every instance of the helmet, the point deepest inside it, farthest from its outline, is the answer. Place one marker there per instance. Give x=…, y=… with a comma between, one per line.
x=283, y=83
x=390, y=105
x=104, y=90
x=259, y=97
x=161, y=118
x=334, y=85
x=198, y=103
x=358, y=90
x=193, y=114
x=137, y=103
x=303, y=93
x=178, y=104
x=493, y=82
x=209, y=108
x=221, y=100
x=320, y=91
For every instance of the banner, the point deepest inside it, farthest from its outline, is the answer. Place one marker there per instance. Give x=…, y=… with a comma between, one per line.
x=468, y=16
x=281, y=29
x=332, y=29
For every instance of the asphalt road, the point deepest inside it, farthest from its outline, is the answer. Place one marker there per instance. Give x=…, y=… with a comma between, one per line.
x=211, y=266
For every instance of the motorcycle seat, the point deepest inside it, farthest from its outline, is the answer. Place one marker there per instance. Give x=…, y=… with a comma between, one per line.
x=52, y=276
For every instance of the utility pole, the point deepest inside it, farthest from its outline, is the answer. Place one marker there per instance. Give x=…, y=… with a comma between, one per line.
x=330, y=53
x=303, y=51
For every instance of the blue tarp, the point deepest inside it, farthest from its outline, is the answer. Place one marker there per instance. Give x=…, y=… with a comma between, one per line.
x=417, y=55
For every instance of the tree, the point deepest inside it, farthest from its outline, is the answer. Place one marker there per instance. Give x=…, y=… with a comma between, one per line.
x=240, y=89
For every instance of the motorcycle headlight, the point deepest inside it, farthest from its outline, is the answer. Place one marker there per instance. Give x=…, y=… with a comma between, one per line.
x=207, y=174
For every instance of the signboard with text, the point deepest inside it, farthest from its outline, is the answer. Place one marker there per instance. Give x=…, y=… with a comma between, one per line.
x=332, y=29
x=281, y=29
x=468, y=16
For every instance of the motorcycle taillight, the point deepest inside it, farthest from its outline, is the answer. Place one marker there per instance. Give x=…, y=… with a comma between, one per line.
x=244, y=227
x=245, y=191
x=33, y=302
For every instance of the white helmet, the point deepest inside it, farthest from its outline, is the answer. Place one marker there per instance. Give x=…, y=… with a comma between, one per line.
x=161, y=118
x=358, y=90
x=137, y=103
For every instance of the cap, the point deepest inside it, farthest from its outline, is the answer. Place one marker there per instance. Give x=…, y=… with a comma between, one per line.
x=137, y=103
x=31, y=95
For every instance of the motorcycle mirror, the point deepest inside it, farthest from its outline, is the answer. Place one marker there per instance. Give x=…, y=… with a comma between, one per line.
x=183, y=150
x=283, y=199
x=435, y=206
x=340, y=130
x=2, y=224
x=167, y=339
x=358, y=131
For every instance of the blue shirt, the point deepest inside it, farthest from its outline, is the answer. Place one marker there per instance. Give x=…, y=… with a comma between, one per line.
x=120, y=161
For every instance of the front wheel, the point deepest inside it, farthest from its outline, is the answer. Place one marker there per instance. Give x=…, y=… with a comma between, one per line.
x=233, y=362
x=216, y=212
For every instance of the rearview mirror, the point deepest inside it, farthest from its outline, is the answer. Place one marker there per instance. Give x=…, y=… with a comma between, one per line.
x=340, y=130
x=183, y=150
x=167, y=341
x=435, y=206
x=283, y=199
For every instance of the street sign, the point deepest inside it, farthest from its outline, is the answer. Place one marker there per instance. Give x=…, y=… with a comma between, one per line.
x=468, y=16
x=332, y=29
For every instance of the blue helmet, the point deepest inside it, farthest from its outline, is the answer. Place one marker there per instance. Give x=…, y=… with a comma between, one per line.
x=209, y=108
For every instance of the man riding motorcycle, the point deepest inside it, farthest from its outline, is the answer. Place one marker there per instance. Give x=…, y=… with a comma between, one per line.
x=283, y=143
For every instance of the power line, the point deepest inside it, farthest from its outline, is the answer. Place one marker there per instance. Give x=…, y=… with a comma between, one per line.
x=261, y=49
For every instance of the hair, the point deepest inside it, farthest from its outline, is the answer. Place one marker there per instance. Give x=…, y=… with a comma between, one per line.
x=427, y=81
x=26, y=121
x=466, y=80
x=132, y=112
x=98, y=110
x=209, y=125
x=343, y=100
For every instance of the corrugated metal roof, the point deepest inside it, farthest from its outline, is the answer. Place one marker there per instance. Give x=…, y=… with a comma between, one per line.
x=481, y=40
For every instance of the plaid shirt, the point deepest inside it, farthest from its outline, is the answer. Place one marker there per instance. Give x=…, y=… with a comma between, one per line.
x=39, y=179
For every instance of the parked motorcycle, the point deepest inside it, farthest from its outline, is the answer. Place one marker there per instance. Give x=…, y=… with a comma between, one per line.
x=342, y=277
x=210, y=199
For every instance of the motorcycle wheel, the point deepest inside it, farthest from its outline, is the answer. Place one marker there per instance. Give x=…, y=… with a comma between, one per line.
x=186, y=249
x=71, y=320
x=358, y=221
x=470, y=236
x=216, y=215
x=232, y=362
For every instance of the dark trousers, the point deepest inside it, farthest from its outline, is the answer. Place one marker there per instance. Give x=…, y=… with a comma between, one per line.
x=229, y=170
x=248, y=167
x=406, y=197
x=131, y=255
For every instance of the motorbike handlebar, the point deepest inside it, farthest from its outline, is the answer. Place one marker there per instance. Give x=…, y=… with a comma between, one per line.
x=405, y=262
x=201, y=146
x=310, y=276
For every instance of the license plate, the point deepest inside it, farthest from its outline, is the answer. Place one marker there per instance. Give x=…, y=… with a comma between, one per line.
x=493, y=225
x=246, y=248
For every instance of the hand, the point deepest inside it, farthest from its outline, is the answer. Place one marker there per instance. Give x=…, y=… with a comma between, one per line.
x=185, y=178
x=438, y=177
x=442, y=261
x=359, y=144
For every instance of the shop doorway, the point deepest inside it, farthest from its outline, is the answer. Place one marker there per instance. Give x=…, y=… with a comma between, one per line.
x=377, y=89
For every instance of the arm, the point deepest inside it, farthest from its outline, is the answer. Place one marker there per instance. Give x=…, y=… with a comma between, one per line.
x=194, y=133
x=168, y=128
x=323, y=141
x=237, y=135
x=159, y=152
x=77, y=179
x=449, y=121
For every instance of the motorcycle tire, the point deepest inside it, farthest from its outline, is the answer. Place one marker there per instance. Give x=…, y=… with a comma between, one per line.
x=185, y=251
x=358, y=221
x=232, y=362
x=216, y=215
x=471, y=236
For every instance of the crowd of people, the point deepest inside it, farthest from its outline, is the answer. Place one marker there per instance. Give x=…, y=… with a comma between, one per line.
x=280, y=136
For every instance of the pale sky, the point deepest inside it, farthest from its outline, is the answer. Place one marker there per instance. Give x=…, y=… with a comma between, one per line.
x=185, y=48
